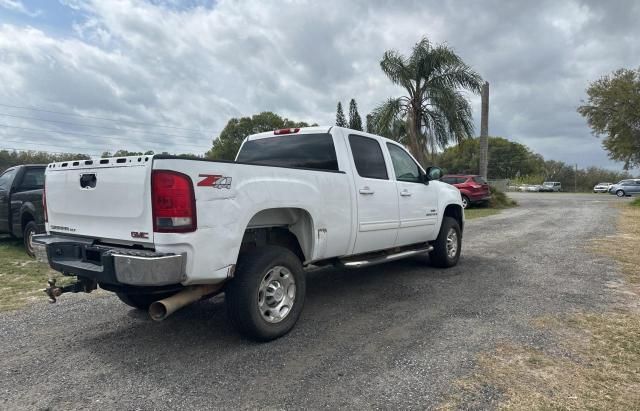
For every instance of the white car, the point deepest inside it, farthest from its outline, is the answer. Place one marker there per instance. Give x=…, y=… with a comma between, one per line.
x=602, y=187
x=162, y=231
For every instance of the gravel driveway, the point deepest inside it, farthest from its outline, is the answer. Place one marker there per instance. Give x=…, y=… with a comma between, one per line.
x=391, y=336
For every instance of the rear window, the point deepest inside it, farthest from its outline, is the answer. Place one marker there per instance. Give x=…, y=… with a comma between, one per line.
x=479, y=180
x=314, y=151
x=33, y=178
x=449, y=180
x=367, y=155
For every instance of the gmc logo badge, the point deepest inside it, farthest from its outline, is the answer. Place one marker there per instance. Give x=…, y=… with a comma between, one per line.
x=139, y=234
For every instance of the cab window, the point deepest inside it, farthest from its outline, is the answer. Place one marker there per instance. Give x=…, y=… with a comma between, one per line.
x=405, y=168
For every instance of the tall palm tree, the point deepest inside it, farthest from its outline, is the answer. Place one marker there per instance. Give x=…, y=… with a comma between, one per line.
x=435, y=109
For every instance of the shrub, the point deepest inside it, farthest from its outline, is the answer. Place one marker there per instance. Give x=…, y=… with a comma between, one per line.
x=500, y=199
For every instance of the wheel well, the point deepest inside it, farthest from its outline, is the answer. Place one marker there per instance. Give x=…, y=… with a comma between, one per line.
x=454, y=211
x=26, y=217
x=291, y=228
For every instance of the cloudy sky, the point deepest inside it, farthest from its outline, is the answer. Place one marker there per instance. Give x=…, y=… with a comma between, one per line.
x=167, y=75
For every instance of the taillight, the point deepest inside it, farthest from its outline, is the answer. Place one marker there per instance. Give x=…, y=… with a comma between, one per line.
x=44, y=202
x=173, y=202
x=285, y=131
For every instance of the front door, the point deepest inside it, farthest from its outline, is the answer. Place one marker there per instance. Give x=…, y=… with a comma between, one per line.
x=418, y=202
x=376, y=196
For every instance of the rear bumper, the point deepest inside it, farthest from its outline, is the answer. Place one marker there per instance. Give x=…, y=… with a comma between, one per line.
x=478, y=198
x=110, y=265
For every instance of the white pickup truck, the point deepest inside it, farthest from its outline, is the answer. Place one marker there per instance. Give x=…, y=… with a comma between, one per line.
x=162, y=232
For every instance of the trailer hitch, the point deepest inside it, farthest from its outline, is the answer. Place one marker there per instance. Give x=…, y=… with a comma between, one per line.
x=83, y=285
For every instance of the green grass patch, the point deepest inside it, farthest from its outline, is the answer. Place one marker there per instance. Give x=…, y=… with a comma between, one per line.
x=472, y=213
x=22, y=278
x=501, y=200
x=635, y=203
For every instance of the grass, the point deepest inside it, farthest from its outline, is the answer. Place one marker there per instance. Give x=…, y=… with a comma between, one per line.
x=471, y=213
x=636, y=202
x=21, y=277
x=596, y=363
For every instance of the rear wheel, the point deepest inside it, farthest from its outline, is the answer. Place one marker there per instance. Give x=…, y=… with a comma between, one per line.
x=266, y=297
x=620, y=193
x=30, y=230
x=465, y=201
x=141, y=301
x=447, y=247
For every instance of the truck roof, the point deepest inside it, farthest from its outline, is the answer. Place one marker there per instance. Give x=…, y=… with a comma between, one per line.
x=314, y=130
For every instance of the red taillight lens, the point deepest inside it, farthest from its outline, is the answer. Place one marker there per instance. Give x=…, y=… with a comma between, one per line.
x=285, y=131
x=44, y=202
x=173, y=202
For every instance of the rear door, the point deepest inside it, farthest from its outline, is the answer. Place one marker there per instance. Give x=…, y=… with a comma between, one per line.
x=377, y=199
x=109, y=199
x=418, y=202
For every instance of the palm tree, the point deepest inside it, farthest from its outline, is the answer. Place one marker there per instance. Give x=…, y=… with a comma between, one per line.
x=435, y=110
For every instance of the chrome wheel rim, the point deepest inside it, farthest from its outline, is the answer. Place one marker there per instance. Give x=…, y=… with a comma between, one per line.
x=465, y=203
x=620, y=193
x=452, y=243
x=276, y=294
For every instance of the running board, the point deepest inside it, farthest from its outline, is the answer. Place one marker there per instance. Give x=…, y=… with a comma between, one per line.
x=357, y=263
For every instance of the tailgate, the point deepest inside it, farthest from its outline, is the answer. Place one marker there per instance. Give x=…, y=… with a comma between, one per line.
x=108, y=199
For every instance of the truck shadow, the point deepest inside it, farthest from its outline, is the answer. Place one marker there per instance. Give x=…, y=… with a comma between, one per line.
x=342, y=306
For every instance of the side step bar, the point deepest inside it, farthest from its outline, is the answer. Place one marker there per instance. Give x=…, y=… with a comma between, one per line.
x=362, y=261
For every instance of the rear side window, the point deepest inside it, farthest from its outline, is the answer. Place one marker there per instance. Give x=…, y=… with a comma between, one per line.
x=33, y=178
x=7, y=178
x=367, y=155
x=314, y=151
x=461, y=180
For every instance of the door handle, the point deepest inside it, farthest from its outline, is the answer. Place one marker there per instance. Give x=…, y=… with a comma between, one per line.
x=366, y=190
x=405, y=193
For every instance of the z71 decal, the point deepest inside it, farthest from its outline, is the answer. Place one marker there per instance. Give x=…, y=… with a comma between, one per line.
x=215, y=181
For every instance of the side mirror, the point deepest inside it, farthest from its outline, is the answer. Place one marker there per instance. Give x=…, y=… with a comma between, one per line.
x=434, y=173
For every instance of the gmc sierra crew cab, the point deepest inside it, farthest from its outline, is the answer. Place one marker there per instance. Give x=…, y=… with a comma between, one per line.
x=21, y=213
x=162, y=232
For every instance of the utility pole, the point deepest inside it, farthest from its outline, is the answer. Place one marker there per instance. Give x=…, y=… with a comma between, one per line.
x=484, y=130
x=575, y=180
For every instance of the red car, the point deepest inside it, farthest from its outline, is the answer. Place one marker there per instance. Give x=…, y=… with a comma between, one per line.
x=474, y=189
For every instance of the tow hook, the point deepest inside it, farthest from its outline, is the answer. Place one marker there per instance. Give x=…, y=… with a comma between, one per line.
x=80, y=286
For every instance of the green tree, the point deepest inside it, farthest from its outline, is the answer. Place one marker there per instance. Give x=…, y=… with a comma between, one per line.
x=613, y=110
x=226, y=146
x=434, y=108
x=507, y=159
x=355, y=122
x=341, y=120
x=13, y=158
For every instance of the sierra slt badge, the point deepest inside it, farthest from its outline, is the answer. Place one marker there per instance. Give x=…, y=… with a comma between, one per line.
x=215, y=181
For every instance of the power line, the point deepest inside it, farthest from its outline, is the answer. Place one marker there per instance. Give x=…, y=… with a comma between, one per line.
x=97, y=118
x=34, y=130
x=71, y=123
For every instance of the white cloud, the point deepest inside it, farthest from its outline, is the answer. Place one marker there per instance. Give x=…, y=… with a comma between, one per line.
x=18, y=6
x=197, y=66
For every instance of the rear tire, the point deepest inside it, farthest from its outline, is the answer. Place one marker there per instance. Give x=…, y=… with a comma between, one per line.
x=465, y=201
x=266, y=296
x=620, y=193
x=27, y=236
x=447, y=247
x=141, y=301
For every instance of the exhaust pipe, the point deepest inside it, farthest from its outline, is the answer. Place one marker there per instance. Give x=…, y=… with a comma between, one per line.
x=161, y=309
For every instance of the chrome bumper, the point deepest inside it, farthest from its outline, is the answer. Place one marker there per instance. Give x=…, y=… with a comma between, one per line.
x=110, y=265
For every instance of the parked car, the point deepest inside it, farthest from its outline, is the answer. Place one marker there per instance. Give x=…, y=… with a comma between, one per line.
x=602, y=187
x=624, y=188
x=551, y=186
x=473, y=188
x=163, y=231
x=21, y=212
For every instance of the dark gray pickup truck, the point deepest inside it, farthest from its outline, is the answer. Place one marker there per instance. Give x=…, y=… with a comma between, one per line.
x=21, y=211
